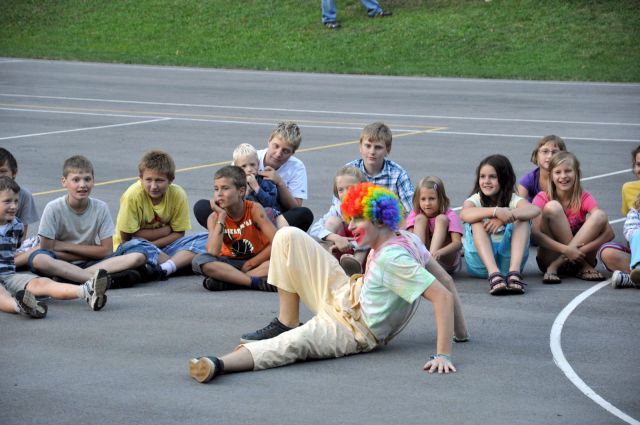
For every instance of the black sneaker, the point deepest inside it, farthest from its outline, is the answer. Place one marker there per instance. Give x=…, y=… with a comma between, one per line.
x=124, y=279
x=213, y=284
x=29, y=306
x=266, y=287
x=274, y=328
x=149, y=273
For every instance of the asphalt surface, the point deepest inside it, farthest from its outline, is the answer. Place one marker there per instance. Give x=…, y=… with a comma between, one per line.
x=128, y=362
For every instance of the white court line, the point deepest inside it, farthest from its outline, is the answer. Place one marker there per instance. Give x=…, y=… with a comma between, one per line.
x=84, y=129
x=158, y=118
x=312, y=111
x=333, y=76
x=584, y=179
x=529, y=136
x=555, y=342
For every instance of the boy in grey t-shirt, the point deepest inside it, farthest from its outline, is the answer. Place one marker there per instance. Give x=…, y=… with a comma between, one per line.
x=76, y=232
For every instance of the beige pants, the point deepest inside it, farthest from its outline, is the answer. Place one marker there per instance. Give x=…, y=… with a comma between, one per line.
x=300, y=265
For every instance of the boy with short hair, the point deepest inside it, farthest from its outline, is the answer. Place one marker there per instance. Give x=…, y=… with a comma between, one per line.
x=27, y=211
x=375, y=145
x=76, y=231
x=240, y=235
x=288, y=173
x=93, y=290
x=154, y=216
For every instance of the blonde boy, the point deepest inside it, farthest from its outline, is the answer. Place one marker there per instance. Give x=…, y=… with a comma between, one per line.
x=375, y=145
x=154, y=216
x=93, y=290
x=76, y=231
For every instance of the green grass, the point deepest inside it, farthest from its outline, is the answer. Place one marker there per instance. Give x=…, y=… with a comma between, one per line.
x=525, y=39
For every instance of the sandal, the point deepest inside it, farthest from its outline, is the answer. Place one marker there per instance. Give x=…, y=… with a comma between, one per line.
x=515, y=283
x=497, y=284
x=591, y=275
x=551, y=278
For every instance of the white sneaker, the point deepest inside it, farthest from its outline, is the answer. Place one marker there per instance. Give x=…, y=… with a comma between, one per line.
x=621, y=280
x=98, y=285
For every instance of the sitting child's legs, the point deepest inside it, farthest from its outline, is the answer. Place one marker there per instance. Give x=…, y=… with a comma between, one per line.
x=615, y=256
x=44, y=262
x=8, y=304
x=478, y=251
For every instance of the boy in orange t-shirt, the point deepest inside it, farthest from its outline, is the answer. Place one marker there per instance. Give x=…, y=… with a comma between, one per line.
x=240, y=235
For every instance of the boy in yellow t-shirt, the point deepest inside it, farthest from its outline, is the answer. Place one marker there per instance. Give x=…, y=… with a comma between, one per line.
x=154, y=216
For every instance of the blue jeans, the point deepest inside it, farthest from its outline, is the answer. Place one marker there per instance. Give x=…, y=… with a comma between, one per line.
x=329, y=9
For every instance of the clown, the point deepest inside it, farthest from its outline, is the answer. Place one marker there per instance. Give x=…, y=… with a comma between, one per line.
x=352, y=315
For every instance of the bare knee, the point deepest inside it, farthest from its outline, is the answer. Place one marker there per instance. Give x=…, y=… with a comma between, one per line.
x=442, y=220
x=552, y=209
x=598, y=217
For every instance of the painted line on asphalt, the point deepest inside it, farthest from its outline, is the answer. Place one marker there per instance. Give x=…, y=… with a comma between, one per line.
x=537, y=136
x=314, y=111
x=84, y=129
x=219, y=119
x=555, y=342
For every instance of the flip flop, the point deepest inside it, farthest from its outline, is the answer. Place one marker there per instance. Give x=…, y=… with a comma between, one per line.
x=551, y=278
x=590, y=275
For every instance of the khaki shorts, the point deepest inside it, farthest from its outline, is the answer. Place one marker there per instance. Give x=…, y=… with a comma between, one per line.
x=17, y=281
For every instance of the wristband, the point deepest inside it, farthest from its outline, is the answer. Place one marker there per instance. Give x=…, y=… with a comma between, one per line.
x=494, y=211
x=444, y=356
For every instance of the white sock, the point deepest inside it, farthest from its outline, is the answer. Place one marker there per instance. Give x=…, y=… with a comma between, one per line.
x=169, y=267
x=83, y=290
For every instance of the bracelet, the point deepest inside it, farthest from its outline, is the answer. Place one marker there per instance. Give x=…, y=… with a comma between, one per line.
x=444, y=356
x=220, y=223
x=494, y=211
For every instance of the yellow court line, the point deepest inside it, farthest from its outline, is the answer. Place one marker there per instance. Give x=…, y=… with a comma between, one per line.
x=184, y=115
x=216, y=164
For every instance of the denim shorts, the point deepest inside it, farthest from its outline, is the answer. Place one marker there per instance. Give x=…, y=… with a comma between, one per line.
x=501, y=252
x=205, y=258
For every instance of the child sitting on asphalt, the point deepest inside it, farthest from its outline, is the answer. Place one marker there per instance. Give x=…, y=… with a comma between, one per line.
x=437, y=225
x=375, y=145
x=76, y=233
x=616, y=256
x=154, y=216
x=352, y=315
x=27, y=211
x=240, y=235
x=93, y=291
x=333, y=231
x=537, y=179
x=571, y=227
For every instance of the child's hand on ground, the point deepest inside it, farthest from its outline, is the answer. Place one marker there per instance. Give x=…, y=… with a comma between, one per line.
x=270, y=173
x=439, y=365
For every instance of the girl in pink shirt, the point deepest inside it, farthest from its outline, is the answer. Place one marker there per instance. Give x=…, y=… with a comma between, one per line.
x=571, y=227
x=437, y=225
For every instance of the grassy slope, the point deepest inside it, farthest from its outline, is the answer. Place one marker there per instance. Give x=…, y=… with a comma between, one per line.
x=547, y=39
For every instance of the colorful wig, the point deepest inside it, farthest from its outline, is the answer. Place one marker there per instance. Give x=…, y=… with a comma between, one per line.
x=373, y=203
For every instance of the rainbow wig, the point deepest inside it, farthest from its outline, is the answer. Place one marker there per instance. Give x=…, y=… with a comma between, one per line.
x=373, y=203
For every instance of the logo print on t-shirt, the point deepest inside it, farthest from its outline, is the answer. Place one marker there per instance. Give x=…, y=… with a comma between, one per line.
x=241, y=248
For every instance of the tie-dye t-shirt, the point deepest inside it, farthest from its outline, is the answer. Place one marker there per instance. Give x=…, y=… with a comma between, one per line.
x=395, y=279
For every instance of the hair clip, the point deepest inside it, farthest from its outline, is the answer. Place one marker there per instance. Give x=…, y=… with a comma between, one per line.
x=435, y=187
